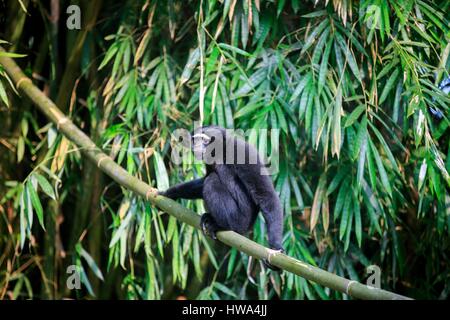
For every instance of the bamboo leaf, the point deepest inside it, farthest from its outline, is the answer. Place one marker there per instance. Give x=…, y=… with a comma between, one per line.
x=281, y=118
x=192, y=62
x=381, y=170
x=361, y=135
x=350, y=59
x=3, y=95
x=338, y=178
x=121, y=230
x=358, y=226
x=361, y=162
x=346, y=213
x=336, y=139
x=251, y=84
x=324, y=66
x=36, y=203
x=109, y=55
x=45, y=185
x=317, y=202
x=161, y=172
x=354, y=115
x=20, y=149
x=280, y=7
x=389, y=85
x=314, y=34
x=299, y=89
x=23, y=219
x=12, y=55
x=234, y=49
x=87, y=257
x=348, y=232
x=224, y=289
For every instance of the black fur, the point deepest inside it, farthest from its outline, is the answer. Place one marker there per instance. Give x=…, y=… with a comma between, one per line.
x=235, y=193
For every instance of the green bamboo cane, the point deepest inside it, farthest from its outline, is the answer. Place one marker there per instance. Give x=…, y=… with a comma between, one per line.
x=122, y=177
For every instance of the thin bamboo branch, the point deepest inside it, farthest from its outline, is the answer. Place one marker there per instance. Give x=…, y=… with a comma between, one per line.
x=121, y=176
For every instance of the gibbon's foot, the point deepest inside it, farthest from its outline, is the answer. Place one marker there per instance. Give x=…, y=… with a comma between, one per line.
x=152, y=192
x=266, y=262
x=209, y=226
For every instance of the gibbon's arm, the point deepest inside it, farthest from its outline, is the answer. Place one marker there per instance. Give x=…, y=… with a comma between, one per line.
x=263, y=193
x=187, y=190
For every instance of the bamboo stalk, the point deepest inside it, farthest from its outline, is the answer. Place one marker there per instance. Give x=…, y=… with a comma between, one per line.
x=16, y=22
x=121, y=176
x=71, y=71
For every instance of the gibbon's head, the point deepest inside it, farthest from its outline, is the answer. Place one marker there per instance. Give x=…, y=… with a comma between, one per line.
x=208, y=144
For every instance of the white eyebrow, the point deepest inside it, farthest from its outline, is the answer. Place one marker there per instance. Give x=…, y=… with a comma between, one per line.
x=201, y=135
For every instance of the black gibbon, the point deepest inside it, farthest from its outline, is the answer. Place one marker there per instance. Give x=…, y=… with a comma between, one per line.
x=235, y=188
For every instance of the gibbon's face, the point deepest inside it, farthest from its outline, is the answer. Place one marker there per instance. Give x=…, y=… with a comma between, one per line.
x=207, y=144
x=199, y=143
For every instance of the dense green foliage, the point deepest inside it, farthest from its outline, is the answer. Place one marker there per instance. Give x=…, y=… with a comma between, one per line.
x=363, y=174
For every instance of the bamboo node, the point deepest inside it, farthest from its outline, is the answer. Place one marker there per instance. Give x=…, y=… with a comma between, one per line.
x=23, y=79
x=102, y=157
x=347, y=289
x=271, y=253
x=61, y=121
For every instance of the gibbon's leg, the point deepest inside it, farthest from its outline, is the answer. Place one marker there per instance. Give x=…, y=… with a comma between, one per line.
x=263, y=193
x=228, y=211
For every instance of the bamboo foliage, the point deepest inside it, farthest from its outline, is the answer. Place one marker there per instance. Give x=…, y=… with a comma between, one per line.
x=363, y=173
x=117, y=173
